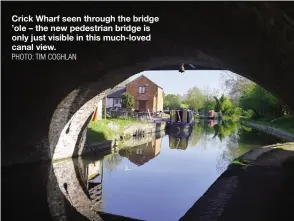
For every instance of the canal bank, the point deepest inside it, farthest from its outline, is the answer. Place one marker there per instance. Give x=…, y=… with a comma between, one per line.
x=257, y=186
x=120, y=134
x=270, y=130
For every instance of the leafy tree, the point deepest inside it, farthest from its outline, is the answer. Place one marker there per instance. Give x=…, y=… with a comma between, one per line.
x=209, y=103
x=263, y=103
x=235, y=85
x=217, y=104
x=183, y=105
x=249, y=113
x=225, y=129
x=236, y=111
x=172, y=101
x=128, y=100
x=194, y=98
x=224, y=105
x=250, y=96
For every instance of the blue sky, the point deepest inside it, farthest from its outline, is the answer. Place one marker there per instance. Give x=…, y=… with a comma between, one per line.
x=174, y=82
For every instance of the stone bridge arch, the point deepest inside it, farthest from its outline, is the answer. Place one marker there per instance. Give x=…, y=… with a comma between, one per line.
x=55, y=98
x=48, y=103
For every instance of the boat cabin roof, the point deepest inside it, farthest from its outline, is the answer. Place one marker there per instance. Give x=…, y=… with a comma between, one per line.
x=181, y=115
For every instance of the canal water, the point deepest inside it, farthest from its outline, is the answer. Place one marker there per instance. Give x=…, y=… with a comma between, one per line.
x=161, y=177
x=156, y=177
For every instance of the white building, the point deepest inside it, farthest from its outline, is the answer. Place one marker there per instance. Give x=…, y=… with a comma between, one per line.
x=114, y=98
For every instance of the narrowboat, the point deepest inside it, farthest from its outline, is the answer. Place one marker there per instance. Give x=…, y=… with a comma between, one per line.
x=180, y=143
x=180, y=122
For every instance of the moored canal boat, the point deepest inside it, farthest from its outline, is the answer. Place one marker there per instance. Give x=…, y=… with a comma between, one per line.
x=180, y=122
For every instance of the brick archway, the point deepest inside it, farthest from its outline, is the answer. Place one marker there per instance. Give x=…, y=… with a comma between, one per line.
x=50, y=102
x=253, y=40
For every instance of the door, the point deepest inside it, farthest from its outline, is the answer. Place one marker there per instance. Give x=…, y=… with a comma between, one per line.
x=142, y=106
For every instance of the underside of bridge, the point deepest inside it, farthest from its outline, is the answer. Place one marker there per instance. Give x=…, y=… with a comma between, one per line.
x=48, y=103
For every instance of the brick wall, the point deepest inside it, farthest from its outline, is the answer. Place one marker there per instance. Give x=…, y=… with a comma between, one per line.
x=150, y=95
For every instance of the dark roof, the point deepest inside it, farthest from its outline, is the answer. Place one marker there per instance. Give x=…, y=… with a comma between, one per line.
x=117, y=94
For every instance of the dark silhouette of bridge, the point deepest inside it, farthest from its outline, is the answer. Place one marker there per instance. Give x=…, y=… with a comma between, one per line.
x=47, y=105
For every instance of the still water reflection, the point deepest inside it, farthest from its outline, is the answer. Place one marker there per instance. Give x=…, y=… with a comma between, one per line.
x=160, y=178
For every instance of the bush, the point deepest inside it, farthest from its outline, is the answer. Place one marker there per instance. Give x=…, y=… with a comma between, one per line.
x=128, y=100
x=249, y=113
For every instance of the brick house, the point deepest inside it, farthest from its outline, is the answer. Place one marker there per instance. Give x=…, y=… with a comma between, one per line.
x=143, y=153
x=147, y=94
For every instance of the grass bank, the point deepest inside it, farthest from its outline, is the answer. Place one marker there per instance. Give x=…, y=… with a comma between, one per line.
x=282, y=123
x=106, y=129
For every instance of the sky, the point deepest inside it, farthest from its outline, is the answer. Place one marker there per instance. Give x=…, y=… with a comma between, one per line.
x=174, y=82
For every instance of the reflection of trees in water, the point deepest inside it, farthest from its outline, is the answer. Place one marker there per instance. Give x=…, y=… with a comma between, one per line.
x=255, y=137
x=223, y=135
x=234, y=148
x=223, y=161
x=212, y=131
x=231, y=133
x=205, y=124
x=202, y=135
x=196, y=135
x=228, y=134
x=238, y=140
x=229, y=152
x=111, y=161
x=225, y=129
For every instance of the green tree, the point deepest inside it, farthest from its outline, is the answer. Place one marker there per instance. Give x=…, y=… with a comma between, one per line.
x=263, y=103
x=172, y=101
x=209, y=103
x=128, y=100
x=224, y=105
x=194, y=98
x=183, y=105
x=235, y=85
x=250, y=96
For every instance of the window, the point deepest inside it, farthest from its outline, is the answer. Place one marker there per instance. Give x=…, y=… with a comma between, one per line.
x=116, y=101
x=139, y=151
x=142, y=90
